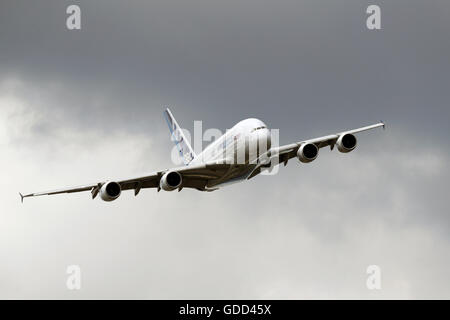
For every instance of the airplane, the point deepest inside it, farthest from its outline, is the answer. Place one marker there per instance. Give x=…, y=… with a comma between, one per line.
x=217, y=165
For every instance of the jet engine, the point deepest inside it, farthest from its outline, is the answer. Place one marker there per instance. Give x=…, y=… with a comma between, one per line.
x=170, y=181
x=110, y=191
x=346, y=142
x=307, y=152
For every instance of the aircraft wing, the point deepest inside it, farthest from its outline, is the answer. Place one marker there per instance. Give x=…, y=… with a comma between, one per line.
x=202, y=177
x=284, y=153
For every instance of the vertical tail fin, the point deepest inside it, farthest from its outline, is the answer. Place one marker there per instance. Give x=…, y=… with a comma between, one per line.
x=184, y=148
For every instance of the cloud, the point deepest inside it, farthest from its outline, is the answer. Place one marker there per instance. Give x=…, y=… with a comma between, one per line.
x=81, y=107
x=308, y=232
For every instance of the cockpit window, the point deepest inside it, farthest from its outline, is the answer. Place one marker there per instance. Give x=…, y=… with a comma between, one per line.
x=259, y=128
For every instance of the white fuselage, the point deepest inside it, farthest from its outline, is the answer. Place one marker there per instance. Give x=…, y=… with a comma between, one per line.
x=240, y=145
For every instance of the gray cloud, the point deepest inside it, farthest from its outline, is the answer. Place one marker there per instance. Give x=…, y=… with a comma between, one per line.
x=81, y=106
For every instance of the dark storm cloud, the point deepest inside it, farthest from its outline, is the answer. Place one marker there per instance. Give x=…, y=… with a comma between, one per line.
x=288, y=62
x=81, y=105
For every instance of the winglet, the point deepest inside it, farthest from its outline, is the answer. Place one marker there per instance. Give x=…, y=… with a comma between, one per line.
x=384, y=125
x=21, y=197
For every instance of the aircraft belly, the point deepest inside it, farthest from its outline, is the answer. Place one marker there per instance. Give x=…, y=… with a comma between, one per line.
x=236, y=174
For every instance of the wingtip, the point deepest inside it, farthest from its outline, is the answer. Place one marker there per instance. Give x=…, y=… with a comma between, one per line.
x=384, y=124
x=21, y=197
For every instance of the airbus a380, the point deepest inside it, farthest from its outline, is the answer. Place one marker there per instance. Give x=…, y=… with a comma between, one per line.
x=216, y=166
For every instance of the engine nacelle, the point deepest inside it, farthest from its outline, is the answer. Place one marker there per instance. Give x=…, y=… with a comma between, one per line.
x=110, y=191
x=346, y=142
x=170, y=181
x=307, y=152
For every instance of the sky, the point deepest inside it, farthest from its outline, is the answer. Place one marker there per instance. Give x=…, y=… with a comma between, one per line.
x=81, y=106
